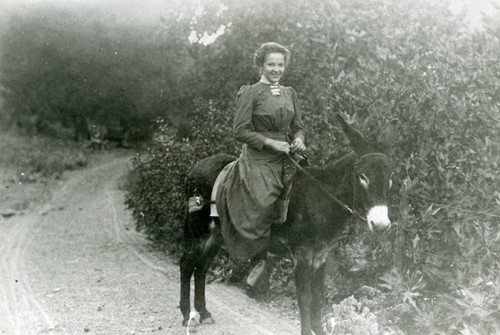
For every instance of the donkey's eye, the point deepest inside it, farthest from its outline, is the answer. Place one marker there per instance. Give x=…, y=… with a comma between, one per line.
x=363, y=180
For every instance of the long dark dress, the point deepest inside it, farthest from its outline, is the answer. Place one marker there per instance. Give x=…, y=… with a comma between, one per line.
x=251, y=197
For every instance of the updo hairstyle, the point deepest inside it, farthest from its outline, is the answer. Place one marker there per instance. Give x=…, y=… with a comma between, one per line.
x=260, y=55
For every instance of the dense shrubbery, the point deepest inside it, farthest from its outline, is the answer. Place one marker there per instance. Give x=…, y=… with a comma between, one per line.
x=156, y=191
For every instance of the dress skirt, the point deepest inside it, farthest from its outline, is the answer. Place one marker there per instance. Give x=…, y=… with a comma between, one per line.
x=247, y=200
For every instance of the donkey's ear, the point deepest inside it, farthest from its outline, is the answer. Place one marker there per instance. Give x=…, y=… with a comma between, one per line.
x=358, y=142
x=389, y=135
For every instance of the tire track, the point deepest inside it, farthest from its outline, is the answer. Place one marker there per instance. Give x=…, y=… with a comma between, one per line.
x=23, y=310
x=133, y=244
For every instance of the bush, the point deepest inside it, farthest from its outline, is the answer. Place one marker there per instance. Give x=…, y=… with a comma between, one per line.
x=156, y=194
x=351, y=317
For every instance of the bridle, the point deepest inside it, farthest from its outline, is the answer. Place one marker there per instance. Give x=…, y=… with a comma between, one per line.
x=328, y=193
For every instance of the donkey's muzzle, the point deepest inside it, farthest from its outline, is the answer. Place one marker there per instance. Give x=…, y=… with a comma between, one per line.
x=378, y=219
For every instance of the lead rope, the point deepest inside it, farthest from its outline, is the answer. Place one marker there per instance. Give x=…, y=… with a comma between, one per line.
x=334, y=198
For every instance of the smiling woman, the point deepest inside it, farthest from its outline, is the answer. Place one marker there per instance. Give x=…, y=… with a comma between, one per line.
x=273, y=68
x=255, y=193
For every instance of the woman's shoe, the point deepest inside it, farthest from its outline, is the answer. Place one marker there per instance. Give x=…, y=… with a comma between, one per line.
x=258, y=279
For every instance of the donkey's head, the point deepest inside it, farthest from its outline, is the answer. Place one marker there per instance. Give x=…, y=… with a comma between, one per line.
x=371, y=176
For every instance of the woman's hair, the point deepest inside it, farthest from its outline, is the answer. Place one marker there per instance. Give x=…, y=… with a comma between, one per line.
x=265, y=49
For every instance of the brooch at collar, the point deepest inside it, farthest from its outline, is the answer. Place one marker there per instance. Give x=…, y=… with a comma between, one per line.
x=275, y=89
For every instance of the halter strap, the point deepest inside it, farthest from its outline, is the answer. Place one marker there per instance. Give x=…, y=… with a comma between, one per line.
x=334, y=198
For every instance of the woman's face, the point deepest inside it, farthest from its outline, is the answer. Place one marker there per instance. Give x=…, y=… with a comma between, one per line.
x=274, y=67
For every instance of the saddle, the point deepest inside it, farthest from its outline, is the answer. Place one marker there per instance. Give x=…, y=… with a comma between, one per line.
x=196, y=203
x=218, y=180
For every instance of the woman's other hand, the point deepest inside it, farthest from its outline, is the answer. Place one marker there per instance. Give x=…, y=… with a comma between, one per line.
x=297, y=145
x=279, y=146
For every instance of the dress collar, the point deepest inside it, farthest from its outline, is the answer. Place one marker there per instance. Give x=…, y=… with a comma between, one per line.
x=264, y=80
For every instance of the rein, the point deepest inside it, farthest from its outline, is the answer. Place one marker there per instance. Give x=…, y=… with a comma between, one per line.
x=330, y=195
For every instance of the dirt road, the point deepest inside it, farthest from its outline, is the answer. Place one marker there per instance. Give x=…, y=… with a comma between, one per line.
x=75, y=265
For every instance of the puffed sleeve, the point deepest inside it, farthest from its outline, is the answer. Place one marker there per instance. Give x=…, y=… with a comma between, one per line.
x=243, y=128
x=297, y=125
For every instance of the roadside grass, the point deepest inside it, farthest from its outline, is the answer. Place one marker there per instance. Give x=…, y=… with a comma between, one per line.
x=38, y=156
x=31, y=166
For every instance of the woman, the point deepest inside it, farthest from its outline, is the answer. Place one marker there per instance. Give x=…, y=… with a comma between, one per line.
x=268, y=121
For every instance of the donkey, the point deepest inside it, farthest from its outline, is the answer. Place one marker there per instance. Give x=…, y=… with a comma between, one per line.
x=322, y=199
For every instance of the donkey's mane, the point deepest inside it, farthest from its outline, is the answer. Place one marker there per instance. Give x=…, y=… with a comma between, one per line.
x=333, y=170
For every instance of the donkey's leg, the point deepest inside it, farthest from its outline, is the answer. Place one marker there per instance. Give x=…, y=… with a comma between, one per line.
x=303, y=283
x=199, y=290
x=210, y=250
x=187, y=266
x=318, y=294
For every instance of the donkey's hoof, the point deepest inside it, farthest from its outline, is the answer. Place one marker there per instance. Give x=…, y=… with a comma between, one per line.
x=191, y=325
x=207, y=320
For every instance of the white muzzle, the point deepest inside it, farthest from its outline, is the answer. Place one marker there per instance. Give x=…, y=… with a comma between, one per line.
x=378, y=219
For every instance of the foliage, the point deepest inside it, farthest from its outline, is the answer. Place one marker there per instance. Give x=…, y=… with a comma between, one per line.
x=351, y=317
x=157, y=192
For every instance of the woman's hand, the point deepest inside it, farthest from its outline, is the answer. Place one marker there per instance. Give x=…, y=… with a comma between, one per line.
x=297, y=145
x=279, y=146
